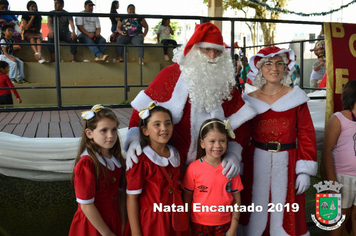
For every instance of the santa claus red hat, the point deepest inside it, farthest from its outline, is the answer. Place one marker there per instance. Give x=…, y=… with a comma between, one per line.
x=206, y=35
x=270, y=52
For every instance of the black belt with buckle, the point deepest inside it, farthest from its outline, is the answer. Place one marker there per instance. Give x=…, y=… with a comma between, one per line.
x=273, y=146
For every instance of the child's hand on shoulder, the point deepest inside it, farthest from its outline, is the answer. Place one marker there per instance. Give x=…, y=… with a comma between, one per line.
x=13, y=59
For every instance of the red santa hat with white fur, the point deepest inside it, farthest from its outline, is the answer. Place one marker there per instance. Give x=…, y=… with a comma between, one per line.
x=206, y=35
x=270, y=52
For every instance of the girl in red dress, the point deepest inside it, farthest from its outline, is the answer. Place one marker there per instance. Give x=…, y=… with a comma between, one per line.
x=148, y=189
x=98, y=174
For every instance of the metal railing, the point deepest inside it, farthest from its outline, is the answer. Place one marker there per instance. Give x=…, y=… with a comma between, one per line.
x=58, y=85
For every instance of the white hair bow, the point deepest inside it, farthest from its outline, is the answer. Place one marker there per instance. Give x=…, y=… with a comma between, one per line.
x=87, y=115
x=144, y=113
x=229, y=129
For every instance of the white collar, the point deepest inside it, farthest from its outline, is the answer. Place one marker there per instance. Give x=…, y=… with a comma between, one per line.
x=174, y=157
x=112, y=162
x=290, y=100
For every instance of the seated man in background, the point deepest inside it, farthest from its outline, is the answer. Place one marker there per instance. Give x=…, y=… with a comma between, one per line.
x=89, y=32
x=64, y=33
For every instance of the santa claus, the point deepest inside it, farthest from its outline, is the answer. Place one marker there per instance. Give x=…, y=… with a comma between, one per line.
x=199, y=86
x=282, y=154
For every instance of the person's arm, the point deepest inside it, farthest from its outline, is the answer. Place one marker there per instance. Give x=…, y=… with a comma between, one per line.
x=93, y=215
x=133, y=212
x=235, y=216
x=27, y=25
x=50, y=27
x=331, y=135
x=171, y=30
x=145, y=25
x=11, y=85
x=158, y=41
x=188, y=198
x=317, y=67
x=97, y=32
x=4, y=49
x=84, y=31
x=119, y=28
x=73, y=35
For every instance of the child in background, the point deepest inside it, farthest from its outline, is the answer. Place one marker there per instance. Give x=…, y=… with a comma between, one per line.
x=204, y=184
x=339, y=153
x=12, y=21
x=32, y=25
x=147, y=182
x=98, y=174
x=5, y=94
x=164, y=33
x=7, y=55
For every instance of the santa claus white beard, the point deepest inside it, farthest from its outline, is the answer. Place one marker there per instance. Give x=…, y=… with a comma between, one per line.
x=209, y=81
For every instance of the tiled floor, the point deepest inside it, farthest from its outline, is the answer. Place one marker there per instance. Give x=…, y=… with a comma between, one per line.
x=64, y=123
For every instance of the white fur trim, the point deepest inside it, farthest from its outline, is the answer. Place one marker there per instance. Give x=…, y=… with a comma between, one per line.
x=85, y=201
x=175, y=104
x=134, y=192
x=270, y=172
x=245, y=113
x=174, y=158
x=133, y=134
x=210, y=45
x=234, y=148
x=290, y=100
x=141, y=101
x=178, y=100
x=279, y=185
x=196, y=119
x=307, y=167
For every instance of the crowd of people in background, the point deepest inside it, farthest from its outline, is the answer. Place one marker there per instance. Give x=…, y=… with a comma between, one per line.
x=87, y=30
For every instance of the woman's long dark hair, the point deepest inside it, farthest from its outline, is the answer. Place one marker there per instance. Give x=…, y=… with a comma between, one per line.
x=113, y=7
x=348, y=96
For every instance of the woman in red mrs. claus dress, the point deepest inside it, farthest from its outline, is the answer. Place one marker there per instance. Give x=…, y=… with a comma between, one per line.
x=277, y=174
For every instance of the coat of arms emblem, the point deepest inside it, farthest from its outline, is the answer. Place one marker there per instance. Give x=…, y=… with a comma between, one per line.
x=328, y=205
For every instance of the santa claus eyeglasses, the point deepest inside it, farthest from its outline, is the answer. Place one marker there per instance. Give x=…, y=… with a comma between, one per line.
x=278, y=64
x=211, y=50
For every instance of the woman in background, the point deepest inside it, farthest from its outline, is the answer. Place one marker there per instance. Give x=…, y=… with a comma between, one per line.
x=32, y=25
x=114, y=20
x=164, y=33
x=130, y=30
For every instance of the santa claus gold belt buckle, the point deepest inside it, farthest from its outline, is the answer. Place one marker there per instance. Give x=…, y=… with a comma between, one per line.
x=278, y=147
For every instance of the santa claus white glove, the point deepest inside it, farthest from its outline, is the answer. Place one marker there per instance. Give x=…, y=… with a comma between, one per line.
x=231, y=166
x=302, y=183
x=134, y=148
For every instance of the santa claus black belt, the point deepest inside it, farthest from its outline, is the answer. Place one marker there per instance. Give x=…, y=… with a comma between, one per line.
x=273, y=146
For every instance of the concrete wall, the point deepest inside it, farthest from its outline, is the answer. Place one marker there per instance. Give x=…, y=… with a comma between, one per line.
x=87, y=73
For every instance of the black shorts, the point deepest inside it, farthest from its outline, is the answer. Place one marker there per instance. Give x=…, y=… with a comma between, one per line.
x=6, y=99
